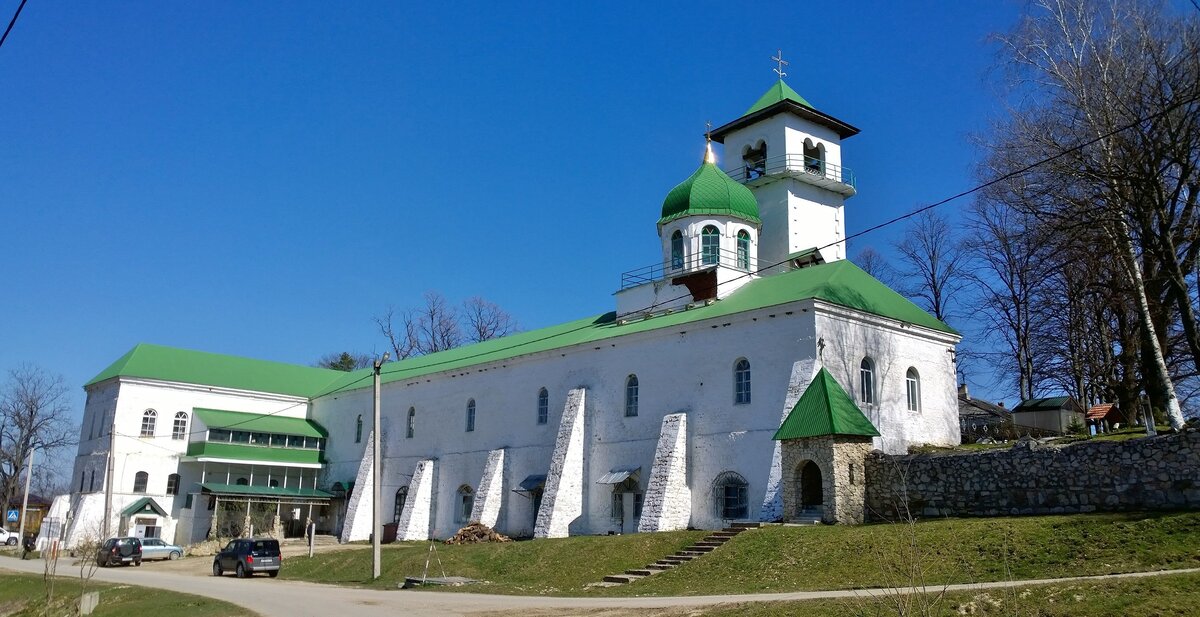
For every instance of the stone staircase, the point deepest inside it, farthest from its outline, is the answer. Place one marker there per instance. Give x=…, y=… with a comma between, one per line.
x=808, y=516
x=697, y=550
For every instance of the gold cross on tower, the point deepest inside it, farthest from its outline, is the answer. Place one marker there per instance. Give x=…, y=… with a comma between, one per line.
x=778, y=57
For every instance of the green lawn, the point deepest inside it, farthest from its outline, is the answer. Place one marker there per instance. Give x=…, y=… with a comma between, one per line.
x=778, y=558
x=25, y=595
x=1162, y=596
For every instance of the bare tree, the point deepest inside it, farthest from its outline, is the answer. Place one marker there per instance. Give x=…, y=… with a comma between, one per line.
x=344, y=361
x=933, y=267
x=1114, y=86
x=438, y=325
x=874, y=263
x=33, y=415
x=485, y=320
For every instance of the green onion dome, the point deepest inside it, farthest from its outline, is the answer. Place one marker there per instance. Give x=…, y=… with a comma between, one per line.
x=710, y=191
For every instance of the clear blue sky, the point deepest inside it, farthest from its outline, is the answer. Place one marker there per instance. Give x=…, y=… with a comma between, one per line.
x=260, y=179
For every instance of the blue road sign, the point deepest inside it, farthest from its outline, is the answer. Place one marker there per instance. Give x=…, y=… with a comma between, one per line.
x=13, y=515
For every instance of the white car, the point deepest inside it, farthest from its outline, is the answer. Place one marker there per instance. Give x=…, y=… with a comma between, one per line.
x=11, y=538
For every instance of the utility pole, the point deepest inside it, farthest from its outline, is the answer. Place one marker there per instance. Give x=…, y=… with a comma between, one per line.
x=377, y=483
x=108, y=476
x=25, y=501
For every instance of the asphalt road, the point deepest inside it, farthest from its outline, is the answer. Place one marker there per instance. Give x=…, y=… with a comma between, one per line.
x=275, y=598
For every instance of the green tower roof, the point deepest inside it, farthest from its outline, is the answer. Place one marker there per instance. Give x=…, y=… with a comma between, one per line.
x=710, y=191
x=778, y=92
x=825, y=409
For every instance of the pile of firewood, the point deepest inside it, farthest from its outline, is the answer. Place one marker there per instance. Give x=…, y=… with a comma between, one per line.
x=476, y=533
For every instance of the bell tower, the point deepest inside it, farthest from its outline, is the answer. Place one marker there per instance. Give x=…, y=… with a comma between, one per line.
x=790, y=155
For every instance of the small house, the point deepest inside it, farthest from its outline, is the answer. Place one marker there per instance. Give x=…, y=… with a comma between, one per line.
x=1054, y=415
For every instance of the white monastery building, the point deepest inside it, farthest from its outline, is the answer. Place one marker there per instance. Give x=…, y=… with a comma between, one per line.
x=661, y=414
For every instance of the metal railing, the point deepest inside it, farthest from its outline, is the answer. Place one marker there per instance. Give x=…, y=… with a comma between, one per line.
x=687, y=264
x=792, y=163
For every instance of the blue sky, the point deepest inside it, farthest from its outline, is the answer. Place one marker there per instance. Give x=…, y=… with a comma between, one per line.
x=260, y=179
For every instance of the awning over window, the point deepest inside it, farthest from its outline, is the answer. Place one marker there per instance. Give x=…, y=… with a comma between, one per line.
x=618, y=475
x=145, y=505
x=533, y=482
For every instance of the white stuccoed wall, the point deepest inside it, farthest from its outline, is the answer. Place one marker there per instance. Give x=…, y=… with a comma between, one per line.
x=489, y=495
x=772, y=505
x=357, y=525
x=562, y=501
x=415, y=520
x=668, y=501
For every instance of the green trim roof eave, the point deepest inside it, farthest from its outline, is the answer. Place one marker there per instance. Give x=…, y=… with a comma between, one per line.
x=264, y=491
x=710, y=191
x=824, y=410
x=162, y=363
x=262, y=423
x=840, y=282
x=780, y=98
x=139, y=505
x=261, y=454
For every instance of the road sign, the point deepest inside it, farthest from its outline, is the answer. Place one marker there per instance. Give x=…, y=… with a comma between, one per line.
x=13, y=515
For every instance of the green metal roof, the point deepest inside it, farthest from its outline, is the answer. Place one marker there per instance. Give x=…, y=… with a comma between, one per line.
x=839, y=282
x=263, y=454
x=215, y=418
x=143, y=505
x=778, y=92
x=210, y=369
x=825, y=409
x=1043, y=404
x=710, y=191
x=263, y=491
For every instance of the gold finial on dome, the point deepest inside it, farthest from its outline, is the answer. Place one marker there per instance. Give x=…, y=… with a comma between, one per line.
x=709, y=157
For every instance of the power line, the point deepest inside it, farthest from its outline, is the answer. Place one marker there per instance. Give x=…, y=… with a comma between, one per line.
x=11, y=23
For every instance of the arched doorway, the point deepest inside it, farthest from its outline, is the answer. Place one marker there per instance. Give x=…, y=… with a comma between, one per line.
x=809, y=488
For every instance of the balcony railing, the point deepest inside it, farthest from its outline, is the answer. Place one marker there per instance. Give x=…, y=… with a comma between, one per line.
x=789, y=164
x=686, y=265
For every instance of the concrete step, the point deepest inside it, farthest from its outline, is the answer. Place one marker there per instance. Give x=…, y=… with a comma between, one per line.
x=725, y=534
x=659, y=567
x=689, y=554
x=733, y=530
x=709, y=543
x=746, y=525
x=697, y=548
x=717, y=539
x=621, y=579
x=677, y=558
x=638, y=572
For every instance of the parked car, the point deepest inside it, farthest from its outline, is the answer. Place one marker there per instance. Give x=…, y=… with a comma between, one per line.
x=9, y=538
x=246, y=556
x=156, y=548
x=119, y=551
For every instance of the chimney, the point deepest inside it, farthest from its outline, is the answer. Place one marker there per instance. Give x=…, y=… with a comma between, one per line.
x=963, y=393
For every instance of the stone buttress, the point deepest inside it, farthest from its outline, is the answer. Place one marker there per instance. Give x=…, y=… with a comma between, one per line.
x=416, y=517
x=772, y=506
x=562, y=501
x=668, y=502
x=486, y=508
x=358, y=512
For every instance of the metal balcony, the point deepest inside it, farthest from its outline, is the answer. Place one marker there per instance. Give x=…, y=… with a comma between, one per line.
x=804, y=168
x=696, y=262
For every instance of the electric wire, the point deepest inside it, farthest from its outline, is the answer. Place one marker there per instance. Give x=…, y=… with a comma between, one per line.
x=12, y=23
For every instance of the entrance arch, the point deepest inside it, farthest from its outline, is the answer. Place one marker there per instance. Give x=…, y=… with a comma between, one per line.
x=810, y=491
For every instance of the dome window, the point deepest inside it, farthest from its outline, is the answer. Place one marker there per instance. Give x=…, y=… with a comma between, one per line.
x=743, y=250
x=754, y=160
x=677, y=250
x=710, y=246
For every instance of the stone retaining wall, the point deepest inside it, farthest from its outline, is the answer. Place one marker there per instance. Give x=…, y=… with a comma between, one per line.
x=1150, y=473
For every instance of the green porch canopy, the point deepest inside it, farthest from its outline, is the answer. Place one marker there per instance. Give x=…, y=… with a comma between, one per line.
x=243, y=490
x=825, y=409
x=262, y=423
x=145, y=505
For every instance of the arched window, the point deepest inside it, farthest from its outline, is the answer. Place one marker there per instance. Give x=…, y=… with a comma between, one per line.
x=466, y=501
x=543, y=409
x=741, y=381
x=140, y=480
x=358, y=429
x=814, y=158
x=398, y=506
x=242, y=482
x=631, y=396
x=743, y=249
x=677, y=250
x=710, y=245
x=913, y=382
x=179, y=429
x=471, y=415
x=755, y=160
x=866, y=381
x=173, y=484
x=148, y=419
x=730, y=496
x=411, y=427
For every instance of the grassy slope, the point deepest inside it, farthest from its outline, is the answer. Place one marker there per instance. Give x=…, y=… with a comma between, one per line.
x=24, y=595
x=1164, y=596
x=776, y=559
